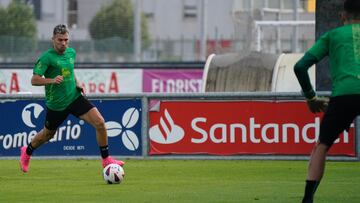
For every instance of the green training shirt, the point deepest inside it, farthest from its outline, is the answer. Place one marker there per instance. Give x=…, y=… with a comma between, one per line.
x=51, y=64
x=342, y=45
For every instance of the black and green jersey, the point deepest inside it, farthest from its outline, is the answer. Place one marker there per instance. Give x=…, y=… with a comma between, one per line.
x=342, y=45
x=51, y=64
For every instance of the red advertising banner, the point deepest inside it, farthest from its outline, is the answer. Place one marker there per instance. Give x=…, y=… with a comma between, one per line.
x=239, y=127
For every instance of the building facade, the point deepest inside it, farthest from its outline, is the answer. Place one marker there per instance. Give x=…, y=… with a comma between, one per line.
x=175, y=26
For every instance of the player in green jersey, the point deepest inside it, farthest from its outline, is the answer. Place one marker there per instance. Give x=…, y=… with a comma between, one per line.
x=63, y=96
x=342, y=45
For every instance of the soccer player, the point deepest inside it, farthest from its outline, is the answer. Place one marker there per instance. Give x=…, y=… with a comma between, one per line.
x=63, y=96
x=342, y=45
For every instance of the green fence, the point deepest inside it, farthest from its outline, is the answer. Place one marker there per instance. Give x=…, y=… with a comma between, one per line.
x=15, y=49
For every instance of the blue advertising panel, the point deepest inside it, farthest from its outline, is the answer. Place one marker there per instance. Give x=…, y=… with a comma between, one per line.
x=22, y=119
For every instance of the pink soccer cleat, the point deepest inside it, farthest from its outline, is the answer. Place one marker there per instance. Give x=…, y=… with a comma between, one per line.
x=109, y=160
x=24, y=160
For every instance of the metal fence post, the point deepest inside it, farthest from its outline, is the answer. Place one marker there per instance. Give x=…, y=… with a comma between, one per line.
x=144, y=125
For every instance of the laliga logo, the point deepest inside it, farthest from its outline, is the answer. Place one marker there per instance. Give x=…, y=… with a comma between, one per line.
x=31, y=112
x=167, y=132
x=129, y=138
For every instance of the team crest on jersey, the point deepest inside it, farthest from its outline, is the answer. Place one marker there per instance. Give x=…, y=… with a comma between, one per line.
x=65, y=72
x=71, y=60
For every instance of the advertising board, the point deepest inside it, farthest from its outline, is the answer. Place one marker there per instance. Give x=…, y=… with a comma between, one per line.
x=172, y=80
x=21, y=120
x=239, y=127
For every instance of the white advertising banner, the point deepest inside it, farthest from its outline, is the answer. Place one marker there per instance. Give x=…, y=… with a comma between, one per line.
x=110, y=81
x=94, y=81
x=14, y=81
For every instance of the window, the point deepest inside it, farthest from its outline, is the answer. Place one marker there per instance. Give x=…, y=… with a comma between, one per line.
x=72, y=13
x=274, y=4
x=149, y=15
x=149, y=9
x=285, y=4
x=36, y=5
x=189, y=9
x=257, y=4
x=288, y=4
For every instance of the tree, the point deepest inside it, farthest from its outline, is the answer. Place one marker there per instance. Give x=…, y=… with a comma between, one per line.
x=17, y=27
x=115, y=23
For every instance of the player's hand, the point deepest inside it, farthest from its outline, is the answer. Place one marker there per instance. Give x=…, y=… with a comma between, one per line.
x=58, y=79
x=318, y=104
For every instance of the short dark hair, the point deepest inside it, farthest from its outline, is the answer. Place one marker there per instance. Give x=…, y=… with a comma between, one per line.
x=352, y=7
x=60, y=29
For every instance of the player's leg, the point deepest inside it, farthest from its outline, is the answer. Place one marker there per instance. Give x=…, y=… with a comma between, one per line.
x=94, y=117
x=43, y=136
x=337, y=118
x=317, y=161
x=86, y=111
x=315, y=171
x=52, y=121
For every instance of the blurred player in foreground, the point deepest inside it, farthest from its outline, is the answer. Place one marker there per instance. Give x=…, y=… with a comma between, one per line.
x=55, y=70
x=342, y=45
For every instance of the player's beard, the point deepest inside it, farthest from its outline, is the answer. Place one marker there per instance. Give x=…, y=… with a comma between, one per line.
x=61, y=49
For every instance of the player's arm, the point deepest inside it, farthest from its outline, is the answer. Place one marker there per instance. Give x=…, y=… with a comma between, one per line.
x=77, y=82
x=315, y=54
x=37, y=80
x=79, y=87
x=301, y=68
x=301, y=71
x=40, y=68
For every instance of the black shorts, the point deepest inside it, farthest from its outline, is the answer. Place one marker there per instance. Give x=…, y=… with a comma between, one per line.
x=341, y=112
x=77, y=108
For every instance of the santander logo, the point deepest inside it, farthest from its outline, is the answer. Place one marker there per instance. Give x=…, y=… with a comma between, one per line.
x=240, y=127
x=167, y=132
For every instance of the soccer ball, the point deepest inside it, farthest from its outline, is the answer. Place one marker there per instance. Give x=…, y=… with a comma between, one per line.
x=113, y=174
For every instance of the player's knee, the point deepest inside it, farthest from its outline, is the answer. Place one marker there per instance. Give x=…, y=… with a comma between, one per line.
x=323, y=146
x=99, y=124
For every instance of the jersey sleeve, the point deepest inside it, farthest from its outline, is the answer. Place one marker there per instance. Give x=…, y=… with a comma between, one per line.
x=72, y=51
x=41, y=65
x=301, y=72
x=321, y=48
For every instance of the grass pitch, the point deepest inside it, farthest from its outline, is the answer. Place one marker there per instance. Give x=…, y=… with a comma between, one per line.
x=176, y=181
